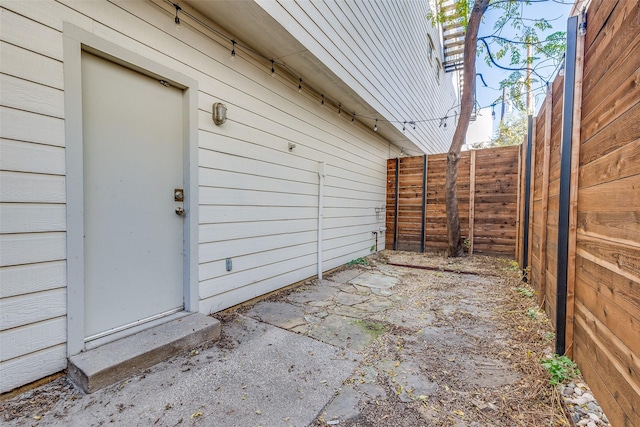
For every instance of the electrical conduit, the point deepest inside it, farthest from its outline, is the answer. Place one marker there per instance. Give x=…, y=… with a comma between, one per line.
x=321, y=174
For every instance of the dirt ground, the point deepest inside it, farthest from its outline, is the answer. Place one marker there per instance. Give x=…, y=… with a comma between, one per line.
x=478, y=337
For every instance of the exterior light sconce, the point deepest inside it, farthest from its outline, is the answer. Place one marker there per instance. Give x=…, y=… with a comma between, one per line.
x=219, y=113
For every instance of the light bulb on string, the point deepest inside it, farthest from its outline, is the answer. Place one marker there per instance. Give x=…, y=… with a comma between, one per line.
x=353, y=117
x=375, y=126
x=339, y=108
x=233, y=50
x=273, y=70
x=404, y=126
x=177, y=18
x=322, y=102
x=300, y=86
x=413, y=125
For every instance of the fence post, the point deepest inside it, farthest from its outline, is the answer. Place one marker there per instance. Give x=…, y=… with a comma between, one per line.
x=546, y=162
x=568, y=186
x=519, y=207
x=527, y=196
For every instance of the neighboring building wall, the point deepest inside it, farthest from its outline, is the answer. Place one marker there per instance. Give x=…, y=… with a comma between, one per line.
x=258, y=199
x=381, y=49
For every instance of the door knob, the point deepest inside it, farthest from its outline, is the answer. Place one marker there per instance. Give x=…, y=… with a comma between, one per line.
x=180, y=210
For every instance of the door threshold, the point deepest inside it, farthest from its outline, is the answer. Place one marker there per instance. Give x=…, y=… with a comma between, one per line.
x=134, y=329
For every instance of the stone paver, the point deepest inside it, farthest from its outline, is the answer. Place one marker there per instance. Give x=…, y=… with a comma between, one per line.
x=375, y=280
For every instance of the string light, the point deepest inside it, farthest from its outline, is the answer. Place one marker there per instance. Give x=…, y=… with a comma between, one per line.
x=177, y=18
x=233, y=53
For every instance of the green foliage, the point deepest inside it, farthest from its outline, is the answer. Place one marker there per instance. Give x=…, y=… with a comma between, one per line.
x=511, y=265
x=372, y=248
x=466, y=243
x=526, y=292
x=510, y=132
x=510, y=53
x=561, y=368
x=533, y=312
x=358, y=261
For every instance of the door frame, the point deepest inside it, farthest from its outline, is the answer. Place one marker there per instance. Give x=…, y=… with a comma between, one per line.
x=76, y=40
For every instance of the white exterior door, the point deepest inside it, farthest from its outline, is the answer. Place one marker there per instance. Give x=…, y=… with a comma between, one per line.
x=133, y=161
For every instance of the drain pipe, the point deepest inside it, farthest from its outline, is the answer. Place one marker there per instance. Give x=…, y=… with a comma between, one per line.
x=322, y=172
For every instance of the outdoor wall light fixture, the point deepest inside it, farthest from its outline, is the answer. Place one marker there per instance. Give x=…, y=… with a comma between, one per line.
x=219, y=113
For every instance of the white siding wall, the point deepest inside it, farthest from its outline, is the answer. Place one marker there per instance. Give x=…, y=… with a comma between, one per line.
x=258, y=200
x=380, y=48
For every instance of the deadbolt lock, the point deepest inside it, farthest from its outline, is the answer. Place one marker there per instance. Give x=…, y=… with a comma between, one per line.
x=178, y=195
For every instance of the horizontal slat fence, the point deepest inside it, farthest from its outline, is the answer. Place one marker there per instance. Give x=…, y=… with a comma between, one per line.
x=416, y=203
x=603, y=280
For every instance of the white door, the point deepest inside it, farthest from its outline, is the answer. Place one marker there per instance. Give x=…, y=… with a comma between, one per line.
x=133, y=162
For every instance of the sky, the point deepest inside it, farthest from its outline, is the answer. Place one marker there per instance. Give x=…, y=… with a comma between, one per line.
x=556, y=12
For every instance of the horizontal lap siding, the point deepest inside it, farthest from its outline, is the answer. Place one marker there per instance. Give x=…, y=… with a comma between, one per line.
x=32, y=201
x=258, y=199
x=607, y=289
x=360, y=40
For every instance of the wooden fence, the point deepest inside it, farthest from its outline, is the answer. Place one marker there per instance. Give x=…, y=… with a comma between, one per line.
x=601, y=268
x=487, y=200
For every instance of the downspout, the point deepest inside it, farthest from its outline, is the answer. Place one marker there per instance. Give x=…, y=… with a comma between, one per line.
x=321, y=174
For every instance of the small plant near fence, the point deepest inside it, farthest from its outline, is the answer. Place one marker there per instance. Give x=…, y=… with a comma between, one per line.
x=561, y=368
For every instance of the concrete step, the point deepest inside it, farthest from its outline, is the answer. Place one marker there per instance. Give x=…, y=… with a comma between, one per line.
x=115, y=361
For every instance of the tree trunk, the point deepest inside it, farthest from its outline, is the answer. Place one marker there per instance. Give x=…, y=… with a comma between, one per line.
x=467, y=101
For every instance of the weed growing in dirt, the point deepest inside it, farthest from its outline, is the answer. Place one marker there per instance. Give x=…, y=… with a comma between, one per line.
x=358, y=261
x=525, y=292
x=533, y=312
x=561, y=368
x=511, y=266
